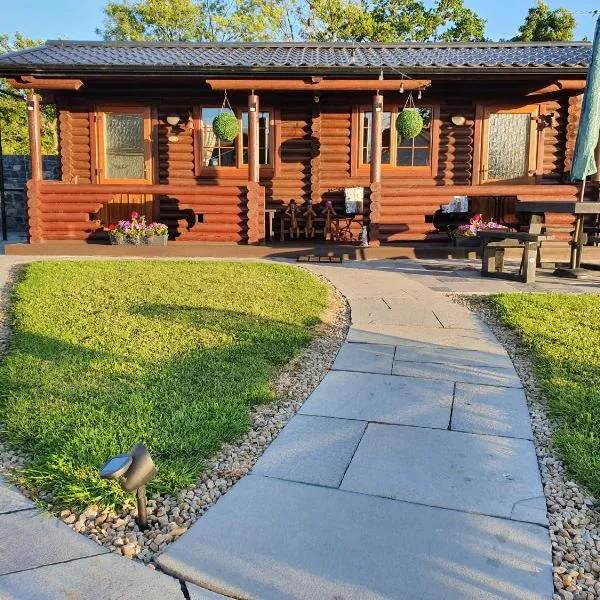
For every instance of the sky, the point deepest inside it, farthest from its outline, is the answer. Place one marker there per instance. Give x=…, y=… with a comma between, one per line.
x=78, y=19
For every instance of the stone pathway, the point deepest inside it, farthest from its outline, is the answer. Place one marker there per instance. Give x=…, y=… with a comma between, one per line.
x=408, y=474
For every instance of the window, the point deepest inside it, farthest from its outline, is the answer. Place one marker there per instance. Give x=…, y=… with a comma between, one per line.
x=264, y=138
x=123, y=144
x=509, y=144
x=216, y=153
x=395, y=152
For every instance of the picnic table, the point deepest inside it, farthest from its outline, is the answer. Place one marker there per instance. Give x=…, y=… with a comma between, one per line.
x=537, y=209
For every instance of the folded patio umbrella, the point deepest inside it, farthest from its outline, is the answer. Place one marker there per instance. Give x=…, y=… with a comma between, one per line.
x=584, y=162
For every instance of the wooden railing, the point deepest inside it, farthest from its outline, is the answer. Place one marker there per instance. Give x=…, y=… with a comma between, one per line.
x=65, y=211
x=403, y=213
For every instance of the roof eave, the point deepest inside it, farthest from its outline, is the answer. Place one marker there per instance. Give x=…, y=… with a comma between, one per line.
x=177, y=70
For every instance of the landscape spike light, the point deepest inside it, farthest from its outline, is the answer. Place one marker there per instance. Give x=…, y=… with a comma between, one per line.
x=134, y=470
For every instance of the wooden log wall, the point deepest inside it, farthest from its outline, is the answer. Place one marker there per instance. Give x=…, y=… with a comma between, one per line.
x=60, y=211
x=314, y=160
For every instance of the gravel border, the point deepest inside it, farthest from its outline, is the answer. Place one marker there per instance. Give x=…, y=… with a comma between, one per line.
x=573, y=518
x=171, y=515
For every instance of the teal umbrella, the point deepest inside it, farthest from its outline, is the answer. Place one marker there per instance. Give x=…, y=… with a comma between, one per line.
x=584, y=162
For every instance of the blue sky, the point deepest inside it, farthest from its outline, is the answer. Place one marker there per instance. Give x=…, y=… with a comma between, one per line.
x=78, y=19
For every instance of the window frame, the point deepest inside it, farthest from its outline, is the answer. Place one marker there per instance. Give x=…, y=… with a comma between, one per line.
x=266, y=170
x=99, y=144
x=360, y=168
x=481, y=141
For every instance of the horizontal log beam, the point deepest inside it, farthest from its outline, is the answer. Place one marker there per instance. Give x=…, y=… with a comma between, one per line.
x=325, y=85
x=28, y=82
x=562, y=85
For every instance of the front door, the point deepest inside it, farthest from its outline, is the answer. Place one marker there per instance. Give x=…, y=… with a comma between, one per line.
x=124, y=157
x=509, y=143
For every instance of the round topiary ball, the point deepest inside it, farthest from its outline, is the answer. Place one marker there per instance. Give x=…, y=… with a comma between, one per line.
x=226, y=126
x=409, y=123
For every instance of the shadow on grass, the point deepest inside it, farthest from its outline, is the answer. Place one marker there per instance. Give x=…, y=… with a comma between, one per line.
x=70, y=406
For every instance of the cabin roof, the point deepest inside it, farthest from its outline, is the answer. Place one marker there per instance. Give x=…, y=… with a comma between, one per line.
x=58, y=57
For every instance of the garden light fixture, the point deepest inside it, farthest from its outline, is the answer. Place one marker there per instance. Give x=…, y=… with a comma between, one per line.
x=134, y=470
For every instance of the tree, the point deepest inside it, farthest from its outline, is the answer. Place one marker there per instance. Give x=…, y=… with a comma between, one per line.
x=192, y=21
x=393, y=21
x=545, y=25
x=314, y=20
x=13, y=110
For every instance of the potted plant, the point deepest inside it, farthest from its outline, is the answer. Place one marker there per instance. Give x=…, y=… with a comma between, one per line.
x=225, y=126
x=466, y=235
x=157, y=234
x=137, y=232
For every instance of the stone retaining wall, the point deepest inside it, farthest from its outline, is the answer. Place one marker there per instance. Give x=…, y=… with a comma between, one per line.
x=17, y=171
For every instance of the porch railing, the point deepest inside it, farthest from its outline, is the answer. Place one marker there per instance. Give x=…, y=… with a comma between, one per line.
x=209, y=213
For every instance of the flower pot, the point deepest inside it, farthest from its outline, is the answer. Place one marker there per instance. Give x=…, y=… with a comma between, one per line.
x=157, y=240
x=467, y=242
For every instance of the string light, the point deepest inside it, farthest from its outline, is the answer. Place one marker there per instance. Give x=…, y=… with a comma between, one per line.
x=381, y=75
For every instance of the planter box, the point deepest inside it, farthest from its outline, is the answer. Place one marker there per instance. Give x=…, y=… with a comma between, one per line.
x=155, y=240
x=470, y=242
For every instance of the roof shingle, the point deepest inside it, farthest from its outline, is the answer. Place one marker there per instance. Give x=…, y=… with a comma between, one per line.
x=57, y=56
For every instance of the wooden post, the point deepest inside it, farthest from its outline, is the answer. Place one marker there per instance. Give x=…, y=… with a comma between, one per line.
x=35, y=136
x=375, y=173
x=376, y=141
x=253, y=151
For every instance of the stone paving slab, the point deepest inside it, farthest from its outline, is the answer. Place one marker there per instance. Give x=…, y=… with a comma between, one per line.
x=449, y=372
x=11, y=499
x=491, y=410
x=30, y=539
x=393, y=310
x=462, y=471
x=365, y=358
x=453, y=356
x=407, y=335
x=198, y=593
x=312, y=449
x=105, y=577
x=382, y=398
x=296, y=541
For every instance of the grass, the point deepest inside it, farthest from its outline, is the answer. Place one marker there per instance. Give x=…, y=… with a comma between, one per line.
x=562, y=331
x=171, y=354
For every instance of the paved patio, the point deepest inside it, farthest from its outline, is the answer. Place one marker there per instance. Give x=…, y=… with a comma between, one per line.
x=409, y=473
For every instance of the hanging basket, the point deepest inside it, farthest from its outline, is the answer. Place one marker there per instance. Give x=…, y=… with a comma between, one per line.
x=226, y=127
x=409, y=123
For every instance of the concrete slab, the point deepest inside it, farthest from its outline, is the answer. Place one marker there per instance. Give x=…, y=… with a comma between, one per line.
x=462, y=471
x=312, y=449
x=106, y=577
x=296, y=541
x=491, y=410
x=453, y=356
x=382, y=398
x=392, y=310
x=449, y=372
x=33, y=539
x=407, y=335
x=365, y=358
x=197, y=593
x=11, y=499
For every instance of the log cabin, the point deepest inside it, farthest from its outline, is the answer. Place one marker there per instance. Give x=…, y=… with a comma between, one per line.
x=135, y=132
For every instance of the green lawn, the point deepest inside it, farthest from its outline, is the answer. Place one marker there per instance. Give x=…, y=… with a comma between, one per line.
x=170, y=354
x=563, y=334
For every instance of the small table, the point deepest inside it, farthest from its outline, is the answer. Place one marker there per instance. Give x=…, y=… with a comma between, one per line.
x=270, y=213
x=580, y=210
